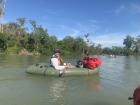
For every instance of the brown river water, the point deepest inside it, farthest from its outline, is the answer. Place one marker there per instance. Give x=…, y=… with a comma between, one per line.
x=116, y=81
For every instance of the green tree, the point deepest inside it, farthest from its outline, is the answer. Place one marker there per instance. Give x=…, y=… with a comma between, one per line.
x=80, y=45
x=117, y=50
x=69, y=43
x=137, y=45
x=33, y=24
x=21, y=21
x=98, y=49
x=2, y=7
x=30, y=44
x=3, y=42
x=11, y=28
x=128, y=42
x=107, y=50
x=23, y=41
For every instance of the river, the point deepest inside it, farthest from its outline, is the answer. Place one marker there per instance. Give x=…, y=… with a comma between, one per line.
x=116, y=81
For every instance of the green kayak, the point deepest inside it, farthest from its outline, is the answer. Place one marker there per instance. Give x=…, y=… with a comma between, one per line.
x=43, y=69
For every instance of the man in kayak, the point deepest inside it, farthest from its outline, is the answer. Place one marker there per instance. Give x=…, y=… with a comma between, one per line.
x=57, y=62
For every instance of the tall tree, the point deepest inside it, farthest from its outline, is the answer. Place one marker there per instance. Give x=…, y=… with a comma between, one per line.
x=3, y=42
x=11, y=28
x=137, y=44
x=21, y=21
x=2, y=6
x=34, y=24
x=128, y=41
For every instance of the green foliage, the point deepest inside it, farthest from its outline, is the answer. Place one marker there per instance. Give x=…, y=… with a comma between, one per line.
x=128, y=41
x=16, y=37
x=21, y=21
x=3, y=42
x=13, y=50
x=137, y=45
x=2, y=7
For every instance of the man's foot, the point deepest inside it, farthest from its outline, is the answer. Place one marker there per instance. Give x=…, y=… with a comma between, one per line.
x=66, y=67
x=61, y=74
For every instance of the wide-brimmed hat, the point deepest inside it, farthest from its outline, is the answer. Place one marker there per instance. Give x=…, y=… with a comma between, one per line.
x=57, y=54
x=57, y=51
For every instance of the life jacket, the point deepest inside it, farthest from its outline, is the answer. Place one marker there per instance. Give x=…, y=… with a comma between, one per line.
x=136, y=96
x=98, y=61
x=85, y=61
x=90, y=62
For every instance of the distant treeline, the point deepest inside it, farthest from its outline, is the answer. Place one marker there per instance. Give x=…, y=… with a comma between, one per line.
x=131, y=47
x=16, y=37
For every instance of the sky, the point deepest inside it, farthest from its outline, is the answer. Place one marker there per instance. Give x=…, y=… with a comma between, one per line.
x=107, y=21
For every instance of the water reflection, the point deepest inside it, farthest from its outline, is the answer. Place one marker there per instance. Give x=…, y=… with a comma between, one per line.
x=118, y=77
x=93, y=82
x=16, y=60
x=127, y=63
x=57, y=89
x=137, y=58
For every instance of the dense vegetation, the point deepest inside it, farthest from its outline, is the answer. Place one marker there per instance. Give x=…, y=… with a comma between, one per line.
x=16, y=37
x=131, y=47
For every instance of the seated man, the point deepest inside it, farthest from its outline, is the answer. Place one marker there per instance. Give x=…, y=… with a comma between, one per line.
x=57, y=63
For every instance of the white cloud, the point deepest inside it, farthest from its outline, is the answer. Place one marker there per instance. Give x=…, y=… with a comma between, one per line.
x=64, y=30
x=90, y=27
x=75, y=33
x=121, y=8
x=93, y=21
x=112, y=39
x=3, y=20
x=78, y=29
x=129, y=8
x=135, y=7
x=49, y=11
x=107, y=39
